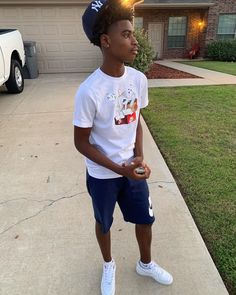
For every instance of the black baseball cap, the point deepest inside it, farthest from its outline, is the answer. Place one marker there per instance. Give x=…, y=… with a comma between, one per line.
x=94, y=9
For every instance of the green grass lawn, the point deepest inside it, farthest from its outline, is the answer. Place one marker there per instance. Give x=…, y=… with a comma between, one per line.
x=195, y=129
x=219, y=66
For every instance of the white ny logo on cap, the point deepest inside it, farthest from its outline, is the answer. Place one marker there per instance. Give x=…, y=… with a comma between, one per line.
x=96, y=5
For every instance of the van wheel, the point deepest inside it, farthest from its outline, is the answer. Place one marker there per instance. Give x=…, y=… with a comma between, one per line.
x=15, y=83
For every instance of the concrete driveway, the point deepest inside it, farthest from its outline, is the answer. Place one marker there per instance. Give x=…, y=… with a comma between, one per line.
x=47, y=237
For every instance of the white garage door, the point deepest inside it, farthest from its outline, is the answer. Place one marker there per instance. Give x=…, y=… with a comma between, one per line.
x=61, y=43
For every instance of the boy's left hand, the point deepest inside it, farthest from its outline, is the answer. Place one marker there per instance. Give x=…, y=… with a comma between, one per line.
x=138, y=162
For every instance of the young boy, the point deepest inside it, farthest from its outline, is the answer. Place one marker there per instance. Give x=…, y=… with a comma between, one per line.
x=108, y=133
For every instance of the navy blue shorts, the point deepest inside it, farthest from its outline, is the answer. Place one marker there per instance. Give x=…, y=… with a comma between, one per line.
x=131, y=195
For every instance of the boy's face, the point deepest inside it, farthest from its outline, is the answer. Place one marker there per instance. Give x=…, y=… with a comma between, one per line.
x=122, y=44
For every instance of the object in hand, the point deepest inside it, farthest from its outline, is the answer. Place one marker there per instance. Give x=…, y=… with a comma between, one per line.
x=140, y=170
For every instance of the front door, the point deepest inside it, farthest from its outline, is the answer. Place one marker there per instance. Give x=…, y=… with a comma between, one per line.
x=155, y=36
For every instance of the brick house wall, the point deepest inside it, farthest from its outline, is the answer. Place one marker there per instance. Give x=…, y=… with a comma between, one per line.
x=195, y=35
x=221, y=6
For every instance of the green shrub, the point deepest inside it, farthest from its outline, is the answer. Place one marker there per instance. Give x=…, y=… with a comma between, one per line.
x=223, y=50
x=145, y=54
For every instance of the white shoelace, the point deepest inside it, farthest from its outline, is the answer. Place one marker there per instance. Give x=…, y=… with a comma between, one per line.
x=158, y=269
x=154, y=267
x=109, y=273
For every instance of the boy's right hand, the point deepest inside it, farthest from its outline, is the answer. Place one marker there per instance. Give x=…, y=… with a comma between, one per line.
x=128, y=170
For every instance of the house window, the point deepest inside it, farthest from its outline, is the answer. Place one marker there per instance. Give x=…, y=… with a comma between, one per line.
x=227, y=26
x=177, y=32
x=138, y=22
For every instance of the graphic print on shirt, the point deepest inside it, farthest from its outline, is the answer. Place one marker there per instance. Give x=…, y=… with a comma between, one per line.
x=126, y=105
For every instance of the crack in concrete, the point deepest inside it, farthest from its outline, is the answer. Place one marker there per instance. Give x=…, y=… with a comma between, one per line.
x=160, y=181
x=18, y=199
x=40, y=211
x=51, y=202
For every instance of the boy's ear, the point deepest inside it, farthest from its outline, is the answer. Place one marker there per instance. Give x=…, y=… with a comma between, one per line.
x=105, y=41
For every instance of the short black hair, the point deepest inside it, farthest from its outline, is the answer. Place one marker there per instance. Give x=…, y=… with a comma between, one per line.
x=110, y=14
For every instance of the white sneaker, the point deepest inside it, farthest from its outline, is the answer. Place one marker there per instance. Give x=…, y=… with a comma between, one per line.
x=156, y=272
x=108, y=278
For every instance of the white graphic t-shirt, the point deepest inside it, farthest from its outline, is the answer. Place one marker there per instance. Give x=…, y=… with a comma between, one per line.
x=111, y=107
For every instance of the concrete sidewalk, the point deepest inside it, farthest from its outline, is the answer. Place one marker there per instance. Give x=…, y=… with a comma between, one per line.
x=207, y=77
x=47, y=237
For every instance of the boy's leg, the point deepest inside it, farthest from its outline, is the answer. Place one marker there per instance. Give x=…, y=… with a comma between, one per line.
x=104, y=241
x=136, y=206
x=104, y=195
x=144, y=238
x=147, y=267
x=109, y=266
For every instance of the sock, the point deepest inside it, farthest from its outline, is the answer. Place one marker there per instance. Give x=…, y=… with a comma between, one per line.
x=109, y=263
x=145, y=265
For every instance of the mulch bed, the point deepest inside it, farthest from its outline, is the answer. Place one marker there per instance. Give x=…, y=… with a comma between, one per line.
x=157, y=71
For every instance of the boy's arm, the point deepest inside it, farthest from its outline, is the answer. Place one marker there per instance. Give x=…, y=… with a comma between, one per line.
x=82, y=144
x=138, y=148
